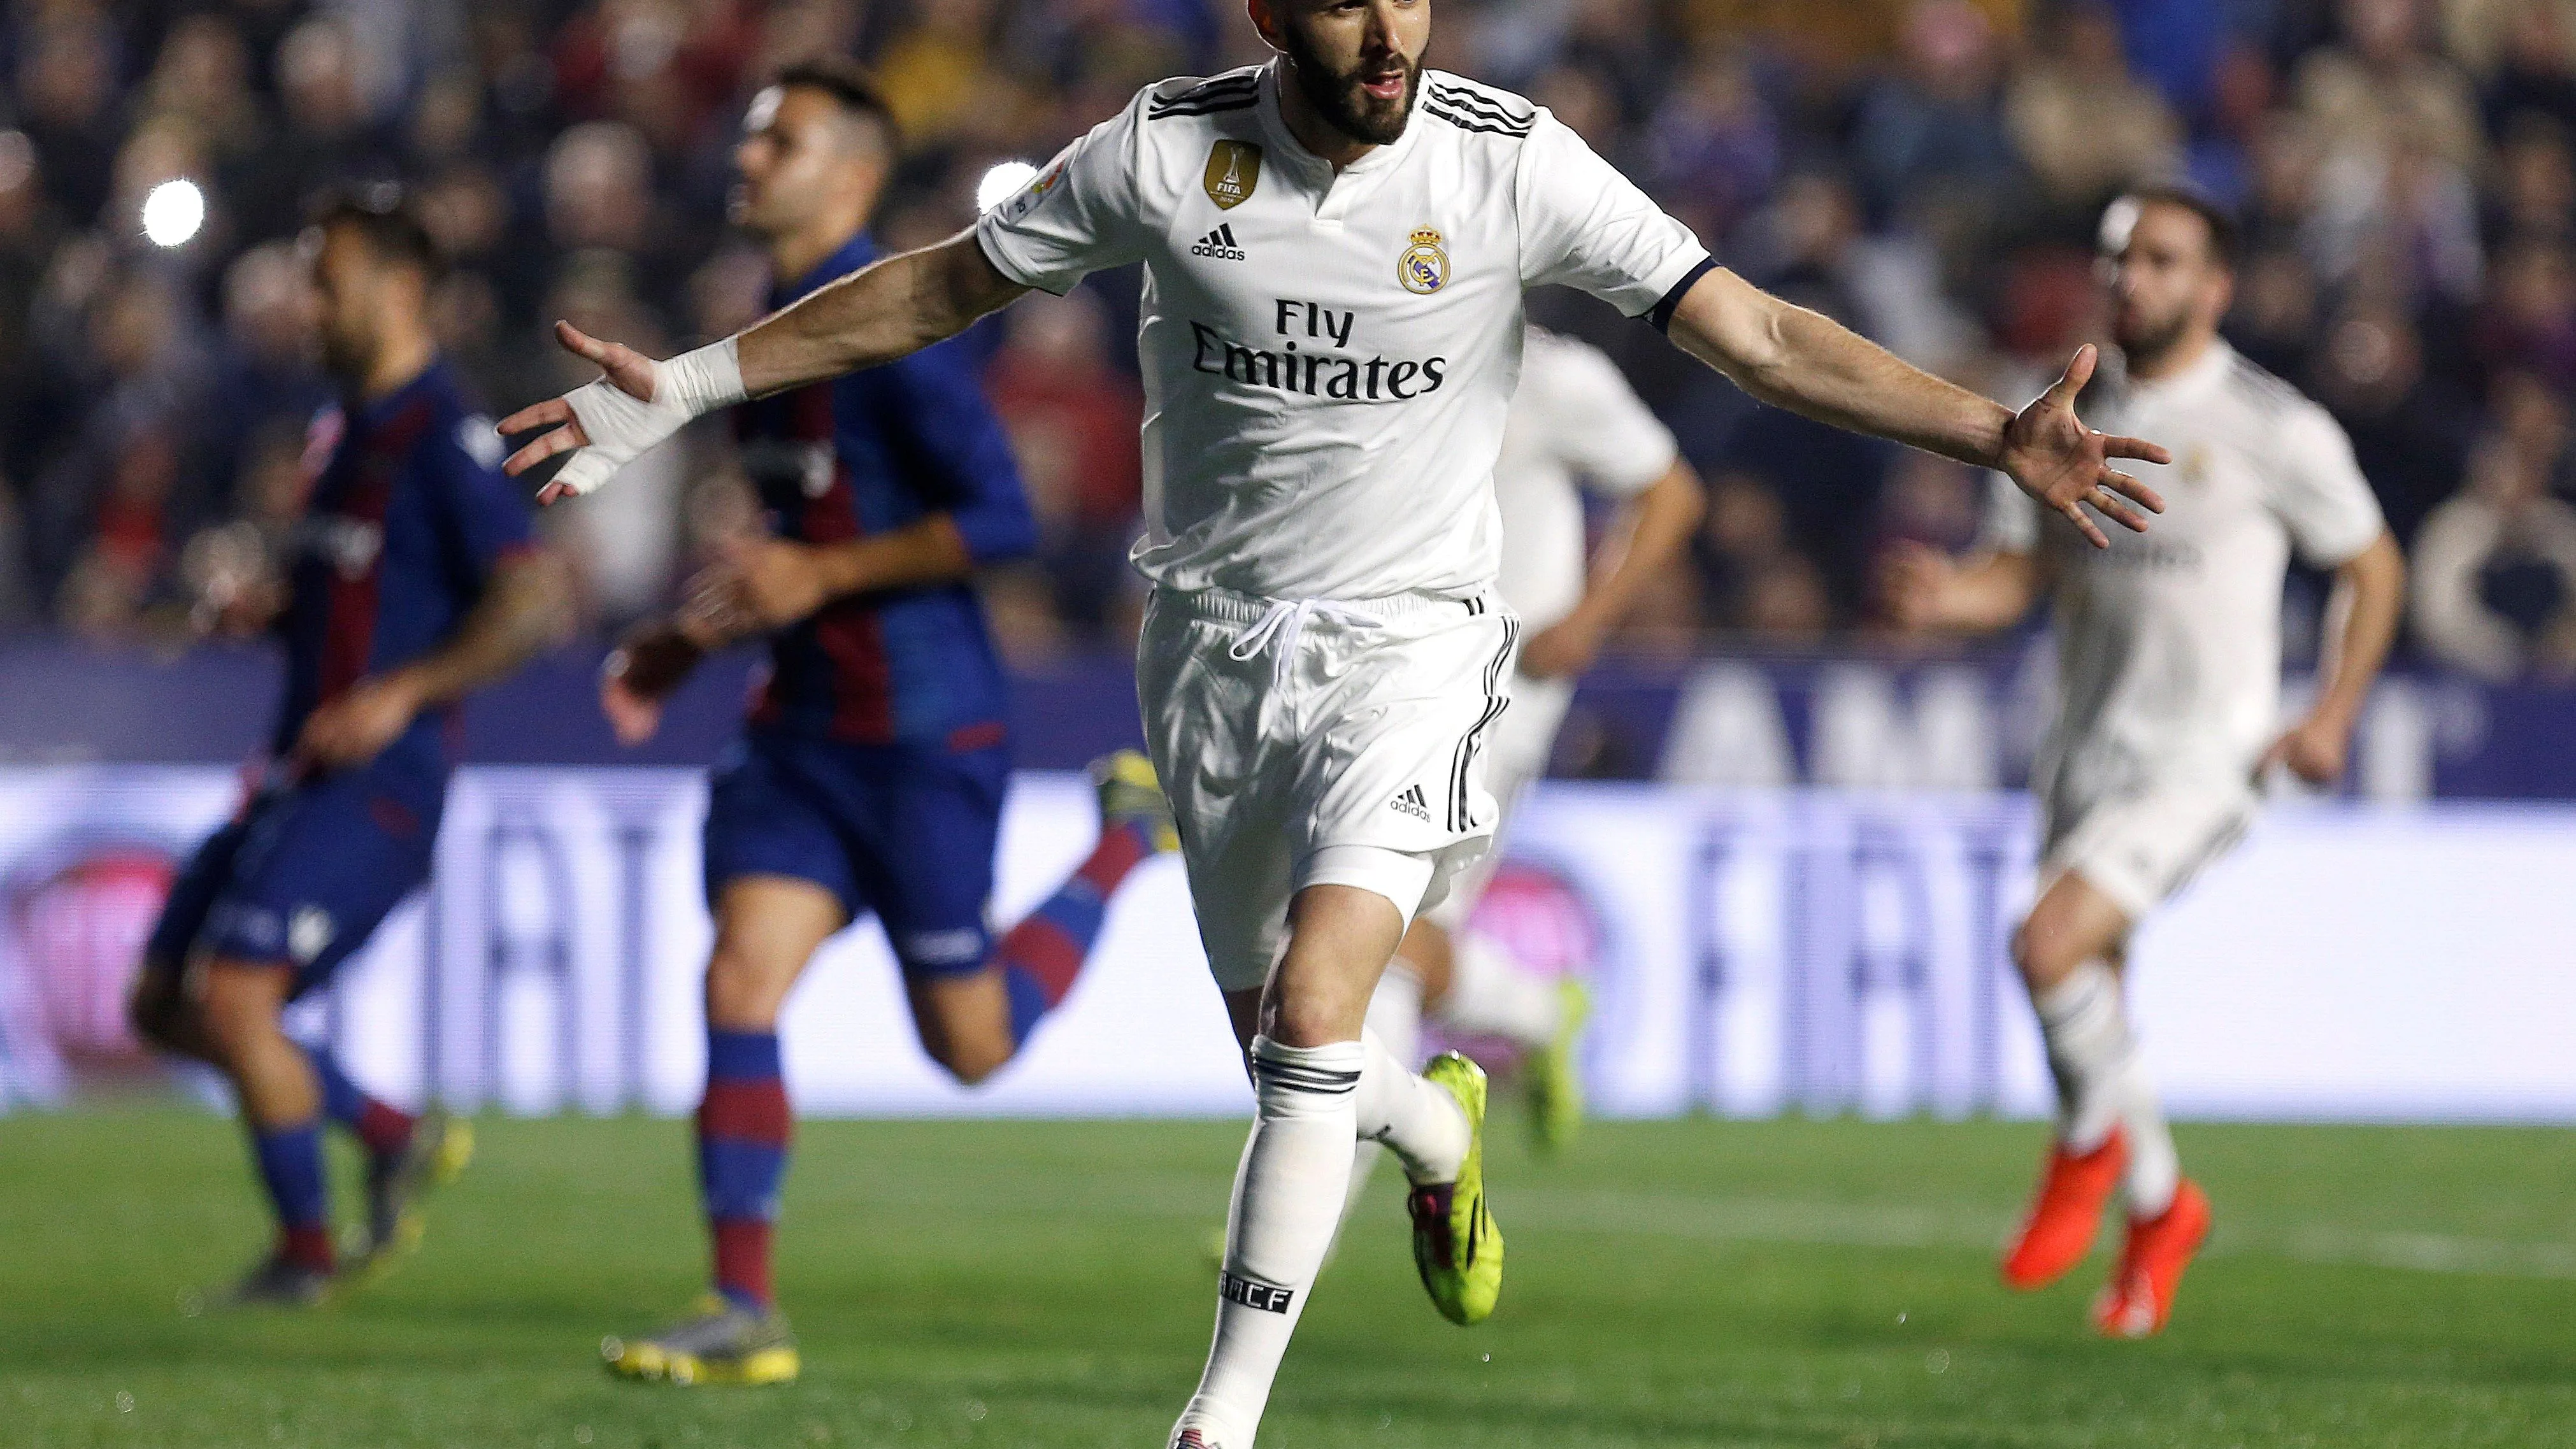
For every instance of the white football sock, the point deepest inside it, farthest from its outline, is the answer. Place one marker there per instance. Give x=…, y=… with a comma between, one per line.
x=2089, y=1052
x=1287, y=1202
x=1493, y=995
x=2155, y=1169
x=1421, y=1123
x=1395, y=1020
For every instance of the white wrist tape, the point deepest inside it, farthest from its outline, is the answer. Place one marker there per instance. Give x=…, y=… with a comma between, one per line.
x=621, y=427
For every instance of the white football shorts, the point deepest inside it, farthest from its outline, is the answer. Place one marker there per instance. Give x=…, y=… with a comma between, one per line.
x=1517, y=758
x=1309, y=742
x=2141, y=848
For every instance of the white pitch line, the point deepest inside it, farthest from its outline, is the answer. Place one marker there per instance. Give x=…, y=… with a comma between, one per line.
x=1836, y=1224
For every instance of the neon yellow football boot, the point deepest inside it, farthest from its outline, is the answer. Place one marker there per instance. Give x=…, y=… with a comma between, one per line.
x=1456, y=1246
x=720, y=1343
x=1131, y=794
x=1549, y=1075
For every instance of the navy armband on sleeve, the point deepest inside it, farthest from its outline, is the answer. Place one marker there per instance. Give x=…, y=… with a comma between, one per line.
x=1661, y=314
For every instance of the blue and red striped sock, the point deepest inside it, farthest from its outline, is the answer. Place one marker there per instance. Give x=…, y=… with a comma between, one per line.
x=290, y=1166
x=743, y=1127
x=383, y=1127
x=1044, y=953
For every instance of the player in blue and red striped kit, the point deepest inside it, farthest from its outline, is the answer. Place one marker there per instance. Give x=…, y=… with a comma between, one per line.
x=410, y=580
x=870, y=774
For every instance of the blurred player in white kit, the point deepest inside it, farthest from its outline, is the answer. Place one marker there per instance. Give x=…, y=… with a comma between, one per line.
x=2169, y=655
x=1575, y=425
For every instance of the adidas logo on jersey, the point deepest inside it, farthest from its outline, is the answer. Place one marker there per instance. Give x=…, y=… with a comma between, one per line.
x=1220, y=244
x=1412, y=803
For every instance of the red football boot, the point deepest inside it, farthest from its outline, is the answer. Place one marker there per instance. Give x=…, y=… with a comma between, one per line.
x=2139, y=1297
x=2067, y=1213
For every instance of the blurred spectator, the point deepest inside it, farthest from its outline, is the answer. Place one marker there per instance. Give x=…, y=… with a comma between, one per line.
x=2220, y=155
x=1073, y=422
x=2382, y=87
x=265, y=379
x=2529, y=322
x=2083, y=123
x=1715, y=148
x=2495, y=567
x=2535, y=70
x=66, y=104
x=1937, y=119
x=2404, y=424
x=327, y=139
x=2534, y=195
x=200, y=82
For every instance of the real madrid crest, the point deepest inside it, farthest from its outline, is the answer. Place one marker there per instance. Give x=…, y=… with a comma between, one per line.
x=1424, y=267
x=1233, y=169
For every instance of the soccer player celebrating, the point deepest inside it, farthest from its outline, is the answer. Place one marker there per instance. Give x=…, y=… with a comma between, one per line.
x=1335, y=245
x=871, y=775
x=2169, y=657
x=1574, y=423
x=412, y=582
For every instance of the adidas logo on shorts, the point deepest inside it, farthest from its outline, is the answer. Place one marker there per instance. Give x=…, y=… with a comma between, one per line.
x=1412, y=803
x=1219, y=244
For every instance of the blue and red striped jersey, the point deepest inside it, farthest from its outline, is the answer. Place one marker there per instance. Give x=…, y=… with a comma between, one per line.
x=407, y=513
x=867, y=454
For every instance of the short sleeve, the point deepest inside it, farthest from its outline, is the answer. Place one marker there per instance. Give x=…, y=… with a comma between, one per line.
x=2318, y=492
x=1597, y=424
x=1583, y=225
x=1078, y=215
x=2011, y=524
x=487, y=513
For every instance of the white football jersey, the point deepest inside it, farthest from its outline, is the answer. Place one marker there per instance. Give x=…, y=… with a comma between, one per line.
x=1575, y=423
x=2169, y=642
x=1329, y=355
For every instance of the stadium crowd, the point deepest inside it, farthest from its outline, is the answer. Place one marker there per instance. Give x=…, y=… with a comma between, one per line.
x=1930, y=172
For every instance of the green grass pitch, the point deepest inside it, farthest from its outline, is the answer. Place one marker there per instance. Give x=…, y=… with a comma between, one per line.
x=1824, y=1284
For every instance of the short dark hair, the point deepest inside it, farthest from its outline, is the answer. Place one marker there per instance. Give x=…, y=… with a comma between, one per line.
x=2224, y=238
x=846, y=81
x=388, y=220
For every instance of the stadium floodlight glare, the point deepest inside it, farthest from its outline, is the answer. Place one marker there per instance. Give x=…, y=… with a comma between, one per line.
x=172, y=212
x=1005, y=178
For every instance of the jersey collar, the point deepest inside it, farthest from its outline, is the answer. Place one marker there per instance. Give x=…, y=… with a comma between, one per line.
x=2203, y=375
x=432, y=376
x=1275, y=74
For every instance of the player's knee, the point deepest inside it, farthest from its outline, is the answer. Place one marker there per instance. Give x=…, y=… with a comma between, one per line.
x=2043, y=952
x=156, y=1011
x=238, y=1010
x=741, y=994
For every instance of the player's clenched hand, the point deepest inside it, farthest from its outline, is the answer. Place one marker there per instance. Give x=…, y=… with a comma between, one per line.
x=770, y=582
x=641, y=672
x=1914, y=582
x=2314, y=749
x=2067, y=466
x=635, y=405
x=356, y=727
x=1563, y=649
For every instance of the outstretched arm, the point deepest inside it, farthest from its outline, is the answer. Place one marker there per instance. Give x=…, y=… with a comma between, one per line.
x=877, y=314
x=1810, y=364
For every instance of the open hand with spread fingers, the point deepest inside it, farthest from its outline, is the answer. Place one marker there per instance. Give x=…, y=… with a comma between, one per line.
x=637, y=404
x=2067, y=466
